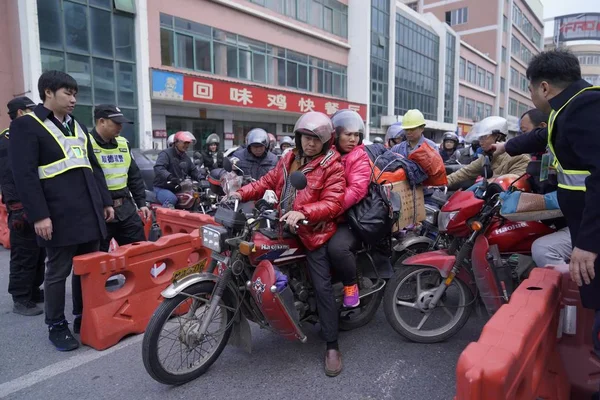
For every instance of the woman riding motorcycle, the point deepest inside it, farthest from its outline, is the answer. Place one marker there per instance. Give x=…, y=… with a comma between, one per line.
x=349, y=130
x=320, y=202
x=211, y=156
x=489, y=131
x=449, y=149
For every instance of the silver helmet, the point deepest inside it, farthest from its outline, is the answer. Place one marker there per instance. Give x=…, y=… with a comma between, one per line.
x=488, y=126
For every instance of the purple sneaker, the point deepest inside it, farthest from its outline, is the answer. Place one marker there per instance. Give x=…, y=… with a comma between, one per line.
x=351, y=298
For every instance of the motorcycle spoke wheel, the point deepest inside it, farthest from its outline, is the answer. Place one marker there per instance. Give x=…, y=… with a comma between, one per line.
x=173, y=351
x=406, y=305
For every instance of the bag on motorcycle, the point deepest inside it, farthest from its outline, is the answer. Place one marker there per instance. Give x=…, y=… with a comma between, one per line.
x=389, y=167
x=430, y=160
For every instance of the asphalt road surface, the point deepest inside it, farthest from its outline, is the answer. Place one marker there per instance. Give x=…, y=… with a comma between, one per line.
x=378, y=364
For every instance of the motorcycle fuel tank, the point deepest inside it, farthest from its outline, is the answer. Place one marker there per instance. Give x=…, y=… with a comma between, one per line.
x=277, y=306
x=276, y=247
x=516, y=237
x=467, y=206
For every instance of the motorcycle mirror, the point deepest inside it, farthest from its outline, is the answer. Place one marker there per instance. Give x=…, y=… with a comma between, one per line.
x=298, y=180
x=227, y=165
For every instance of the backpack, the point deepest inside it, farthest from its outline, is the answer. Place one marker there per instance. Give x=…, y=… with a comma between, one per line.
x=391, y=167
x=374, y=216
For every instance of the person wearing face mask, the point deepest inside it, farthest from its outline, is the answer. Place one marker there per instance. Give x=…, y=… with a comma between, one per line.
x=255, y=159
x=123, y=178
x=488, y=132
x=211, y=157
x=63, y=191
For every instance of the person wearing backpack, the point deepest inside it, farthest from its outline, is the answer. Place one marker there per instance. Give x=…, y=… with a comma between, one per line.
x=349, y=130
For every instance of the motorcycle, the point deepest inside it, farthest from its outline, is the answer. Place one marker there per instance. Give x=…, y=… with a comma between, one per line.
x=258, y=274
x=487, y=258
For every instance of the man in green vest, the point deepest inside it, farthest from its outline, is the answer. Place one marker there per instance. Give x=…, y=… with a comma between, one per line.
x=123, y=177
x=573, y=138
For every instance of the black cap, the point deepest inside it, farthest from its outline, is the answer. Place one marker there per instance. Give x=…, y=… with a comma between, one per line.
x=20, y=103
x=109, y=111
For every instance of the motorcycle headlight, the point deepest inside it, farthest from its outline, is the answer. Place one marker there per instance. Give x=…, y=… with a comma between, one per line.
x=431, y=214
x=213, y=237
x=444, y=219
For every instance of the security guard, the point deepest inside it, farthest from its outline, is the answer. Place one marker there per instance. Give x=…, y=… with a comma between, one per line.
x=64, y=193
x=123, y=177
x=574, y=140
x=26, y=257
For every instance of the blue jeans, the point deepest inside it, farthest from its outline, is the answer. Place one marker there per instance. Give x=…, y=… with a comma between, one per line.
x=165, y=197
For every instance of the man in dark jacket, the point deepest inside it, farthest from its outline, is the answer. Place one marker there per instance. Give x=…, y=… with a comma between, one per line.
x=123, y=177
x=172, y=166
x=63, y=190
x=255, y=160
x=572, y=136
x=211, y=156
x=26, y=257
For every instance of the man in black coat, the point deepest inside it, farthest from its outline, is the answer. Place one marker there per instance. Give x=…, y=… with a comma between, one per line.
x=64, y=193
x=572, y=136
x=27, y=259
x=255, y=160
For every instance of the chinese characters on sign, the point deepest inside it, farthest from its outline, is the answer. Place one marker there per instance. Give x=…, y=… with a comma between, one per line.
x=112, y=159
x=221, y=92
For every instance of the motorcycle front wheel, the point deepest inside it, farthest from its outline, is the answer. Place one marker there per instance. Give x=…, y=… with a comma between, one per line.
x=405, y=305
x=172, y=351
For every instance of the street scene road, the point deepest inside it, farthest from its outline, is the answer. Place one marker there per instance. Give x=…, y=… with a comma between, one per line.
x=378, y=364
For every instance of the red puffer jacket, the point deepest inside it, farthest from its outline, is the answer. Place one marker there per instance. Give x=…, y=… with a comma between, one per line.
x=357, y=170
x=321, y=200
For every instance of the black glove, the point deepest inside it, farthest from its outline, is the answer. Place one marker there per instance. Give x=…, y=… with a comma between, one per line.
x=18, y=220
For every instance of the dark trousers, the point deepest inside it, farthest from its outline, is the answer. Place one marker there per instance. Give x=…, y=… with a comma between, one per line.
x=341, y=250
x=26, y=258
x=130, y=230
x=319, y=270
x=60, y=263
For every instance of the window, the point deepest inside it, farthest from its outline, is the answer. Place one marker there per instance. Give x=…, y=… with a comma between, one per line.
x=537, y=38
x=490, y=81
x=487, y=111
x=471, y=72
x=522, y=109
x=461, y=68
x=515, y=48
x=479, y=111
x=470, y=111
x=185, y=51
x=502, y=112
x=514, y=78
x=513, y=107
x=457, y=17
x=95, y=43
x=589, y=59
x=461, y=106
x=523, y=83
x=504, y=59
x=502, y=85
x=449, y=78
x=504, y=23
x=380, y=43
x=481, y=77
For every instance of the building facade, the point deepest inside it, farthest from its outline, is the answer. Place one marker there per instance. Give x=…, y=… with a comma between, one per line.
x=507, y=32
x=588, y=54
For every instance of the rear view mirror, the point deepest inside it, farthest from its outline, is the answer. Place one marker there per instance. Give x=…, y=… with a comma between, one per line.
x=227, y=166
x=298, y=180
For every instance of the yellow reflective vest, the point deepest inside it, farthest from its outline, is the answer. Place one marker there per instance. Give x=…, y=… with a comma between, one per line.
x=114, y=162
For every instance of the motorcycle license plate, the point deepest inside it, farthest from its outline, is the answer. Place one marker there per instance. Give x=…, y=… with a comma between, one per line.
x=192, y=269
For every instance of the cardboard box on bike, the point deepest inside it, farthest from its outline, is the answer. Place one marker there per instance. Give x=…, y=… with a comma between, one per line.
x=409, y=214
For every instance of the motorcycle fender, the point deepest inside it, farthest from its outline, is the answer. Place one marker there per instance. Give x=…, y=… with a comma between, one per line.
x=241, y=335
x=176, y=288
x=443, y=262
x=410, y=241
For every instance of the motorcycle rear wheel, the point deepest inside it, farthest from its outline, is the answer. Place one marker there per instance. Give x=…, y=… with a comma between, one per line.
x=391, y=306
x=365, y=312
x=183, y=335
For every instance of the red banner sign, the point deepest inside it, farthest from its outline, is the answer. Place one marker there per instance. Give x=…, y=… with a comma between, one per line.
x=205, y=90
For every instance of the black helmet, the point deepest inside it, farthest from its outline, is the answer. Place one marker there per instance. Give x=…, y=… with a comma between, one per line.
x=257, y=136
x=314, y=123
x=451, y=136
x=213, y=138
x=214, y=178
x=349, y=121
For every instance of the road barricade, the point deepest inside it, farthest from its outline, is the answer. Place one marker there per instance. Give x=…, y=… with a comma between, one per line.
x=4, y=232
x=148, y=268
x=180, y=221
x=147, y=228
x=515, y=357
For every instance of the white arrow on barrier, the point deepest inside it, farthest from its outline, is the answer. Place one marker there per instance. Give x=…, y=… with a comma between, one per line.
x=156, y=270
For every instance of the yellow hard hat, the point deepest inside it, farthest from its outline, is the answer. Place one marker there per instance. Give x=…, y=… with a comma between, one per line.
x=413, y=119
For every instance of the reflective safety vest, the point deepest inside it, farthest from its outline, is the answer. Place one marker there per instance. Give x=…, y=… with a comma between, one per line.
x=4, y=132
x=569, y=179
x=114, y=162
x=74, y=148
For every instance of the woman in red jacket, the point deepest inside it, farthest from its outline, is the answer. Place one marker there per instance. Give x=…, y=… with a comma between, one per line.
x=319, y=203
x=349, y=129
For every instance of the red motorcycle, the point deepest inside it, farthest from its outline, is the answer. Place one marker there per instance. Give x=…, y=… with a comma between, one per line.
x=432, y=296
x=258, y=274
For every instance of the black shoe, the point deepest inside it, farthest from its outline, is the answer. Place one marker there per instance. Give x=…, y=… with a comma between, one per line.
x=38, y=296
x=27, y=308
x=77, y=324
x=61, y=337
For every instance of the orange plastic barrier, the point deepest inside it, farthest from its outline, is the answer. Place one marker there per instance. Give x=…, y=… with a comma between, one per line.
x=515, y=357
x=148, y=268
x=575, y=345
x=4, y=232
x=180, y=221
x=147, y=224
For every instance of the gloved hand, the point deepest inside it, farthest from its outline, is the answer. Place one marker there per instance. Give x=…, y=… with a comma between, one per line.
x=18, y=220
x=281, y=280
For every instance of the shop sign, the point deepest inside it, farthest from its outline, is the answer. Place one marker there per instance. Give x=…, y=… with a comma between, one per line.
x=167, y=85
x=159, y=133
x=229, y=136
x=206, y=90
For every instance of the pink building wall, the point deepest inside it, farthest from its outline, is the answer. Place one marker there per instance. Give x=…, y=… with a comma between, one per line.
x=11, y=68
x=465, y=91
x=231, y=20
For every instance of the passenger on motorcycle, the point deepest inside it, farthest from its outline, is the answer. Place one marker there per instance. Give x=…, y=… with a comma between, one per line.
x=285, y=143
x=255, y=159
x=349, y=130
x=394, y=135
x=211, y=156
x=321, y=201
x=413, y=124
x=377, y=140
x=449, y=150
x=272, y=142
x=170, y=140
x=489, y=131
x=168, y=170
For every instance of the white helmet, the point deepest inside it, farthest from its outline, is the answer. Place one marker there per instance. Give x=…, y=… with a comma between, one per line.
x=171, y=140
x=488, y=126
